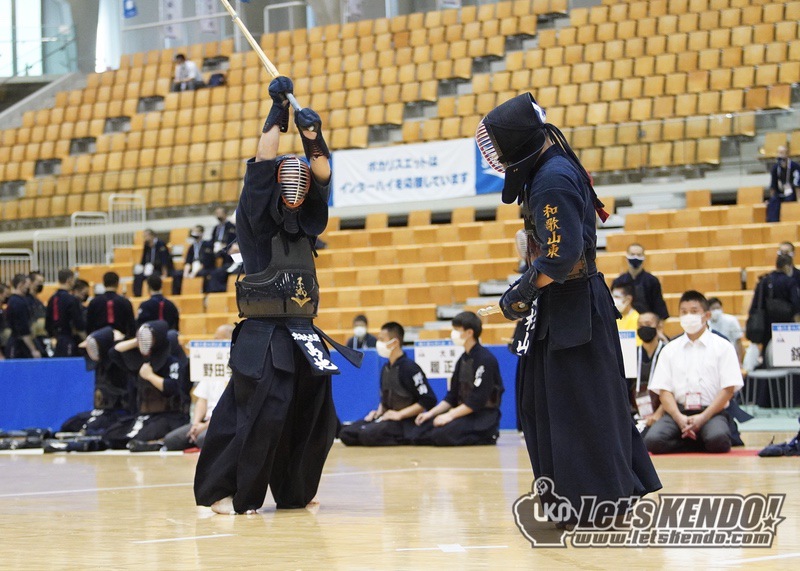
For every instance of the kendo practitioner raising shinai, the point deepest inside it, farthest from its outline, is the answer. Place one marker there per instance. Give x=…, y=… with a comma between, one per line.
x=275, y=423
x=575, y=412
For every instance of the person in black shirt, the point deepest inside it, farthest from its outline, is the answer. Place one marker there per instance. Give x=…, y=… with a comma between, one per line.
x=110, y=308
x=81, y=292
x=64, y=320
x=38, y=314
x=21, y=343
x=361, y=338
x=158, y=307
x=4, y=330
x=779, y=294
x=644, y=403
x=275, y=423
x=405, y=393
x=223, y=237
x=198, y=263
x=647, y=289
x=156, y=261
x=470, y=412
x=787, y=248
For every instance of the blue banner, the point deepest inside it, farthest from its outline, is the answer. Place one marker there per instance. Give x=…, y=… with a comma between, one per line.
x=129, y=9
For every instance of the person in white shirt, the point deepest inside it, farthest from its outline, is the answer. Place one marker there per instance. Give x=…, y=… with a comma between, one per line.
x=697, y=375
x=726, y=325
x=187, y=75
x=208, y=393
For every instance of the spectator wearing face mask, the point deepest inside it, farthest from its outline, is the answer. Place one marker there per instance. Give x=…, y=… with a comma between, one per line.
x=623, y=301
x=361, y=339
x=470, y=412
x=787, y=249
x=696, y=377
x=779, y=295
x=404, y=391
x=199, y=261
x=646, y=404
x=726, y=325
x=646, y=287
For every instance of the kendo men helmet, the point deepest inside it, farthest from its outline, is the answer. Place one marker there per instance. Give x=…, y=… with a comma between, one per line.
x=154, y=344
x=510, y=138
x=294, y=178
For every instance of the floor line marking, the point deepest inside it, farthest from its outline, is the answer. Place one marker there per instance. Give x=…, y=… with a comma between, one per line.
x=141, y=542
x=756, y=559
x=87, y=490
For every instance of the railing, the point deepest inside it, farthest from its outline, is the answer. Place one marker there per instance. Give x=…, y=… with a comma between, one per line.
x=14, y=261
x=95, y=248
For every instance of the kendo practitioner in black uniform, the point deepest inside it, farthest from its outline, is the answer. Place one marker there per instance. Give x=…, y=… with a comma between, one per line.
x=156, y=261
x=470, y=412
x=110, y=308
x=405, y=393
x=575, y=409
x=21, y=343
x=161, y=388
x=198, y=263
x=158, y=307
x=114, y=392
x=64, y=319
x=275, y=423
x=38, y=314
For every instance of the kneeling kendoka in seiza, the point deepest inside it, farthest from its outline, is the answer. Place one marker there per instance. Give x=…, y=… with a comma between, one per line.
x=275, y=423
x=405, y=393
x=162, y=386
x=113, y=385
x=575, y=412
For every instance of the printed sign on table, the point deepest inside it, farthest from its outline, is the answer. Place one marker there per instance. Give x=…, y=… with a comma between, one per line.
x=627, y=339
x=208, y=360
x=437, y=359
x=786, y=345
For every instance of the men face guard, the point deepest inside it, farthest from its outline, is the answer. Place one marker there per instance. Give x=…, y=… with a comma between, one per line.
x=294, y=177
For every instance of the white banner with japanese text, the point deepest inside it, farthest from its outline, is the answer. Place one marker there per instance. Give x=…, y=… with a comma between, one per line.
x=437, y=359
x=208, y=360
x=404, y=173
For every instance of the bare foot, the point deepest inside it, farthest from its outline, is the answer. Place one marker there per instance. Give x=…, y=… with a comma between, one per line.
x=224, y=506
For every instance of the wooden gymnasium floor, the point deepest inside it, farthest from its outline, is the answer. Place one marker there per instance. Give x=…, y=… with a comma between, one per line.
x=400, y=508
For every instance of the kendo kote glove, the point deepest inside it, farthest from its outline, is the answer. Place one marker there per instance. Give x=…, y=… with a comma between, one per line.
x=516, y=302
x=308, y=120
x=279, y=114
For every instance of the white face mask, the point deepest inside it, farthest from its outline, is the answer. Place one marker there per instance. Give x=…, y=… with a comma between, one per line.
x=692, y=323
x=620, y=304
x=360, y=331
x=457, y=338
x=716, y=314
x=383, y=349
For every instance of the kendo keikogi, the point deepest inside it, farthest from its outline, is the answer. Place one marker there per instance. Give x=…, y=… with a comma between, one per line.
x=275, y=422
x=161, y=388
x=574, y=403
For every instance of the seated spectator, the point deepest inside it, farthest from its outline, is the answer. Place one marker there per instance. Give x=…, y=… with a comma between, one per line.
x=111, y=309
x=783, y=184
x=470, y=412
x=787, y=248
x=646, y=287
x=696, y=377
x=361, y=339
x=405, y=393
x=208, y=394
x=64, y=321
x=158, y=307
x=623, y=301
x=21, y=343
x=156, y=260
x=726, y=325
x=646, y=404
x=187, y=75
x=778, y=295
x=223, y=236
x=199, y=261
x=161, y=388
